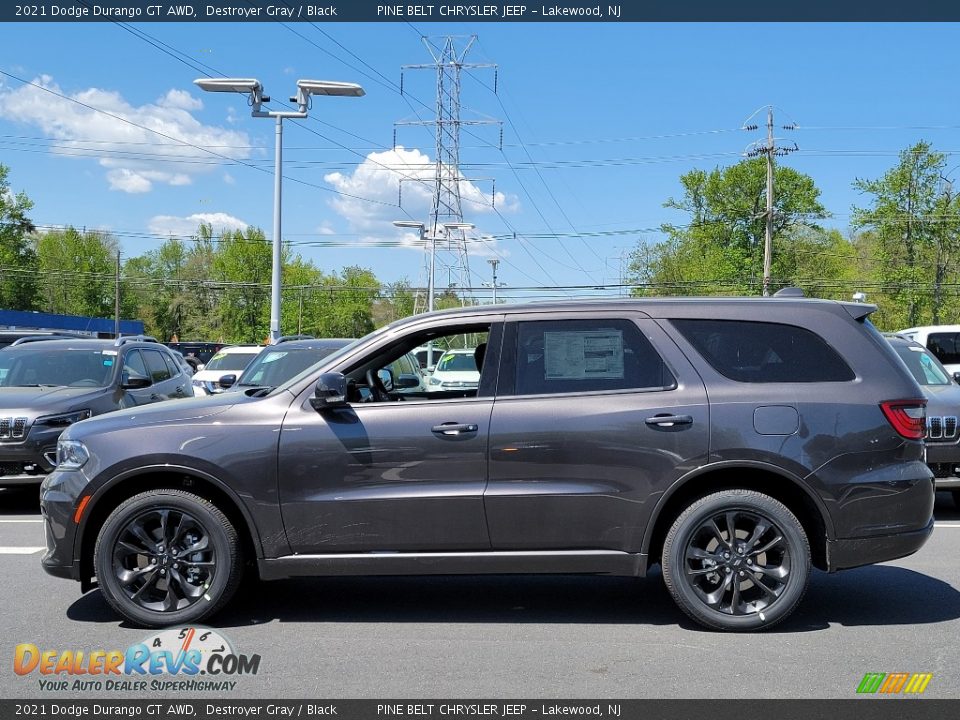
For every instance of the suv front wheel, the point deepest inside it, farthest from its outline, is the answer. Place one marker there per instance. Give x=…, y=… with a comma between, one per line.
x=167, y=556
x=736, y=560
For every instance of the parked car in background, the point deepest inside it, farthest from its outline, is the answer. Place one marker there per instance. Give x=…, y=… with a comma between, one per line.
x=943, y=409
x=736, y=442
x=455, y=370
x=197, y=353
x=230, y=360
x=8, y=337
x=942, y=340
x=47, y=386
x=276, y=364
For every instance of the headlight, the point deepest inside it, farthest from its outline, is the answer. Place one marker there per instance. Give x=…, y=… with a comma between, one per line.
x=71, y=455
x=434, y=381
x=63, y=419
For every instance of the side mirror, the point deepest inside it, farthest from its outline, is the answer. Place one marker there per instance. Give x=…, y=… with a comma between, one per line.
x=956, y=377
x=406, y=381
x=330, y=392
x=386, y=377
x=430, y=369
x=134, y=381
x=226, y=381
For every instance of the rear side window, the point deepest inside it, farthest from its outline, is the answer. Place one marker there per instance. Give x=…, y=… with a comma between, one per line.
x=945, y=347
x=569, y=356
x=155, y=364
x=760, y=352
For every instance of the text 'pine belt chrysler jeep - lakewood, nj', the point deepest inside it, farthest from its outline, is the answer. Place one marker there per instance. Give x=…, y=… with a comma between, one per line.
x=735, y=442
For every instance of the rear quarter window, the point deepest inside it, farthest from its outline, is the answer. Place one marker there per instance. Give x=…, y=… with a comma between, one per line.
x=762, y=352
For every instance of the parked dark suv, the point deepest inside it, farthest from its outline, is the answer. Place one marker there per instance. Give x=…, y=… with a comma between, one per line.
x=46, y=386
x=736, y=442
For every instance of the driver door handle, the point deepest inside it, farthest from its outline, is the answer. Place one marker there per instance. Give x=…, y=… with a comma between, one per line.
x=669, y=420
x=452, y=428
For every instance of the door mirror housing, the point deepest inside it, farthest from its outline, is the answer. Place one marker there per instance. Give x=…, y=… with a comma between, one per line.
x=227, y=381
x=406, y=381
x=135, y=381
x=956, y=377
x=330, y=392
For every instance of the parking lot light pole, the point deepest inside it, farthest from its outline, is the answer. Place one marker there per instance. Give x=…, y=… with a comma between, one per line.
x=253, y=88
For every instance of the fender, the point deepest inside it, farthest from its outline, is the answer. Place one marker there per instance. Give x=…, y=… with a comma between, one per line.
x=112, y=482
x=796, y=480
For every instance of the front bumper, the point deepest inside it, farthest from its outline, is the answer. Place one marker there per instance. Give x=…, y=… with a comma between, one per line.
x=27, y=461
x=58, y=502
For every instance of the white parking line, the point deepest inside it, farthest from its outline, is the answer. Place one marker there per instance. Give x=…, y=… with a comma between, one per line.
x=947, y=524
x=30, y=520
x=20, y=550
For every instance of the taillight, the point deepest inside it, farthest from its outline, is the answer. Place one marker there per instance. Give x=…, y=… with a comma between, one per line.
x=908, y=417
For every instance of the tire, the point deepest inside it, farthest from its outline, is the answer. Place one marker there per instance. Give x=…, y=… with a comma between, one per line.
x=195, y=571
x=723, y=589
x=956, y=498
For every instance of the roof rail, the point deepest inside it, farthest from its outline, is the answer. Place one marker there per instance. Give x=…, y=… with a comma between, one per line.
x=134, y=338
x=288, y=338
x=37, y=338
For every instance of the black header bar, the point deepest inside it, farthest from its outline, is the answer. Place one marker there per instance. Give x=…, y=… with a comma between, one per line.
x=324, y=11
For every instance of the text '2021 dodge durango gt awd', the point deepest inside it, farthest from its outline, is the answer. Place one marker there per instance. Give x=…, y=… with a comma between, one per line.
x=736, y=442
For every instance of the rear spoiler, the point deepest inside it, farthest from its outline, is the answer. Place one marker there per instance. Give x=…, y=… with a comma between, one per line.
x=859, y=311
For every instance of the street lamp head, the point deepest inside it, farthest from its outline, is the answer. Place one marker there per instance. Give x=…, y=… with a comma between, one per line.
x=459, y=226
x=237, y=85
x=408, y=224
x=329, y=87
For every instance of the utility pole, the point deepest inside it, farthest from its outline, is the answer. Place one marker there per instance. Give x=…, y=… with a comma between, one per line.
x=116, y=299
x=768, y=148
x=494, y=285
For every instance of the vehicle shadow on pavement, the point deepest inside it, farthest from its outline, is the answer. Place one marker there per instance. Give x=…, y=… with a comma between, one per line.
x=877, y=595
x=20, y=500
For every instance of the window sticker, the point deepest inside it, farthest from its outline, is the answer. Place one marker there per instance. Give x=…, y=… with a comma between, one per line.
x=107, y=363
x=579, y=355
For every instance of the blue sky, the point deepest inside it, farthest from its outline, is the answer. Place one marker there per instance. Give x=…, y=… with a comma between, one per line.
x=599, y=122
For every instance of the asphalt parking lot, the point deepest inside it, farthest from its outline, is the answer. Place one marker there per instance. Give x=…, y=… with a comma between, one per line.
x=503, y=637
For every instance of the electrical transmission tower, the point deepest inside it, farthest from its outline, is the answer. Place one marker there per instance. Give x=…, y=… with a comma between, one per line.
x=770, y=149
x=445, y=240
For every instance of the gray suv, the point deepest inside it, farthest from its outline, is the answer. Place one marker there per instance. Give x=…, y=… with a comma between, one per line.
x=734, y=442
x=46, y=386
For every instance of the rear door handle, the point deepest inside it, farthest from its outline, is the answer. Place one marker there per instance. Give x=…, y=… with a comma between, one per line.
x=453, y=428
x=669, y=420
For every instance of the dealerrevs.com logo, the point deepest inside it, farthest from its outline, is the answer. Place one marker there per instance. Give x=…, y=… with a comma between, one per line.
x=172, y=660
x=894, y=683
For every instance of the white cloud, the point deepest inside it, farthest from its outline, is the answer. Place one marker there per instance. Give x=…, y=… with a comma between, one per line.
x=187, y=226
x=325, y=229
x=134, y=157
x=229, y=179
x=409, y=173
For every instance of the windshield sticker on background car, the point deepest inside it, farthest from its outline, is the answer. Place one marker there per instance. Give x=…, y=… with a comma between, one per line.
x=579, y=355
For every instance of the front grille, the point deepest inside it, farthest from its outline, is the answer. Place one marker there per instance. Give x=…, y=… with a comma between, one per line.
x=12, y=428
x=941, y=428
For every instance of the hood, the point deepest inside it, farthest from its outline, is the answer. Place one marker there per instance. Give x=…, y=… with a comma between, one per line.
x=33, y=402
x=942, y=399
x=188, y=410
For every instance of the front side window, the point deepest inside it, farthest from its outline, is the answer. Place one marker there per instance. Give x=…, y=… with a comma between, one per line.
x=762, y=352
x=564, y=356
x=156, y=366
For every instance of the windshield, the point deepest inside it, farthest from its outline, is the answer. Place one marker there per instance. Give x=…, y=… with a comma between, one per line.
x=457, y=362
x=273, y=367
x=230, y=361
x=37, y=365
x=924, y=367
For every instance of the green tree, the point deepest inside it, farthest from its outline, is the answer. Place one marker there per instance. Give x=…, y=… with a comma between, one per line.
x=18, y=261
x=77, y=272
x=241, y=267
x=720, y=247
x=915, y=225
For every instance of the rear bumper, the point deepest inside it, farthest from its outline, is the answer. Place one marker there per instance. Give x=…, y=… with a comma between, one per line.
x=848, y=553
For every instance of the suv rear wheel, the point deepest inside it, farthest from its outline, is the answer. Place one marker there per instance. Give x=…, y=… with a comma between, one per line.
x=736, y=560
x=167, y=556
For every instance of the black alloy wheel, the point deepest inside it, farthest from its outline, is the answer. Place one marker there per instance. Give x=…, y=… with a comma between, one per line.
x=737, y=560
x=167, y=556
